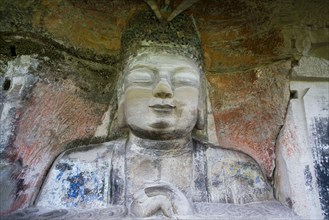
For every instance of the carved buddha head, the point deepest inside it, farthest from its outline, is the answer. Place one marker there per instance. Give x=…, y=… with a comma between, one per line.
x=161, y=89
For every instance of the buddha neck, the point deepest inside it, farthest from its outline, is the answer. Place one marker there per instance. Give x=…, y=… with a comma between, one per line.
x=174, y=147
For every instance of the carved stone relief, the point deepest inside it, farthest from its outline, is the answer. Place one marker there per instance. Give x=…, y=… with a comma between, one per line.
x=161, y=169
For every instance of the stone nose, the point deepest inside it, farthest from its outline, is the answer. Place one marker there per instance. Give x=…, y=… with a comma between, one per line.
x=163, y=90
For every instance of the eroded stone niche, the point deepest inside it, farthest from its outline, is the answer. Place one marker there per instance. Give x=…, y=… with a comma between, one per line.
x=59, y=62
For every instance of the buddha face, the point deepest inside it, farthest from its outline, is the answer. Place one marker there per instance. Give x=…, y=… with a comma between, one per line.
x=160, y=95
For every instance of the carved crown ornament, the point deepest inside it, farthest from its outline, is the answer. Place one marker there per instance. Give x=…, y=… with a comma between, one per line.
x=166, y=13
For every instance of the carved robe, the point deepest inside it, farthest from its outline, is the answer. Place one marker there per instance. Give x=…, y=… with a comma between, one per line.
x=97, y=176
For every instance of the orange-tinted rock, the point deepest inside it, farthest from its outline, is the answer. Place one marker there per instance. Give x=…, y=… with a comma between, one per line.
x=230, y=49
x=222, y=60
x=94, y=26
x=237, y=35
x=249, y=109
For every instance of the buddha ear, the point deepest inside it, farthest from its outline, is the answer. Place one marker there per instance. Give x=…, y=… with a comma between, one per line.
x=202, y=106
x=200, y=123
x=121, y=115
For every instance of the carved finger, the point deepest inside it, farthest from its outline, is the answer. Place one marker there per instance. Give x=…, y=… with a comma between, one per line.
x=150, y=206
x=180, y=203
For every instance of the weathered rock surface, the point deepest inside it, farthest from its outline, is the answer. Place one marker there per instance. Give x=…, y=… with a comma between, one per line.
x=264, y=210
x=311, y=68
x=240, y=38
x=301, y=175
x=16, y=84
x=249, y=110
x=37, y=125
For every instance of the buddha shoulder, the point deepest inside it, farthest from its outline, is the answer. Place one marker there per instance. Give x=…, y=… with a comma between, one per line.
x=92, y=152
x=79, y=177
x=235, y=177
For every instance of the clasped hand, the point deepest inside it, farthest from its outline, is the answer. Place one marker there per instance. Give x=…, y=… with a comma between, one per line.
x=162, y=196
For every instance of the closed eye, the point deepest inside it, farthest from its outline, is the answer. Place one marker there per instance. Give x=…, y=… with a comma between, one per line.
x=186, y=78
x=140, y=76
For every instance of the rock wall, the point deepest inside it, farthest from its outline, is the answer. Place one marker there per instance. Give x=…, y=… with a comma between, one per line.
x=59, y=62
x=301, y=175
x=39, y=119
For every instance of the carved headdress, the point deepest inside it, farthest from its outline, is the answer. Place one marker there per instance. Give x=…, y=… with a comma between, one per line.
x=146, y=32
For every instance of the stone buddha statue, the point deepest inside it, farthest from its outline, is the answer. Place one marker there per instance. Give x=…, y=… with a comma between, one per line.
x=161, y=169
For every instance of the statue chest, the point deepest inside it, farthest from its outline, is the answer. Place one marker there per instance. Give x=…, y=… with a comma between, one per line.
x=144, y=169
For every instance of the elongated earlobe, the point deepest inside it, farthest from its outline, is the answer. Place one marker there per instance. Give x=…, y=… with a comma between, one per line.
x=121, y=115
x=200, y=123
x=202, y=109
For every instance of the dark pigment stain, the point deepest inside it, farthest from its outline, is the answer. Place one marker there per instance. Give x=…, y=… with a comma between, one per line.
x=13, y=51
x=201, y=180
x=87, y=191
x=321, y=138
x=289, y=202
x=63, y=166
x=116, y=187
x=20, y=187
x=215, y=181
x=6, y=84
x=76, y=183
x=308, y=177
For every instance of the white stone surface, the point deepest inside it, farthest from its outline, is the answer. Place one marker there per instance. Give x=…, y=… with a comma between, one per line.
x=18, y=73
x=311, y=67
x=211, y=127
x=103, y=129
x=84, y=179
x=220, y=211
x=296, y=180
